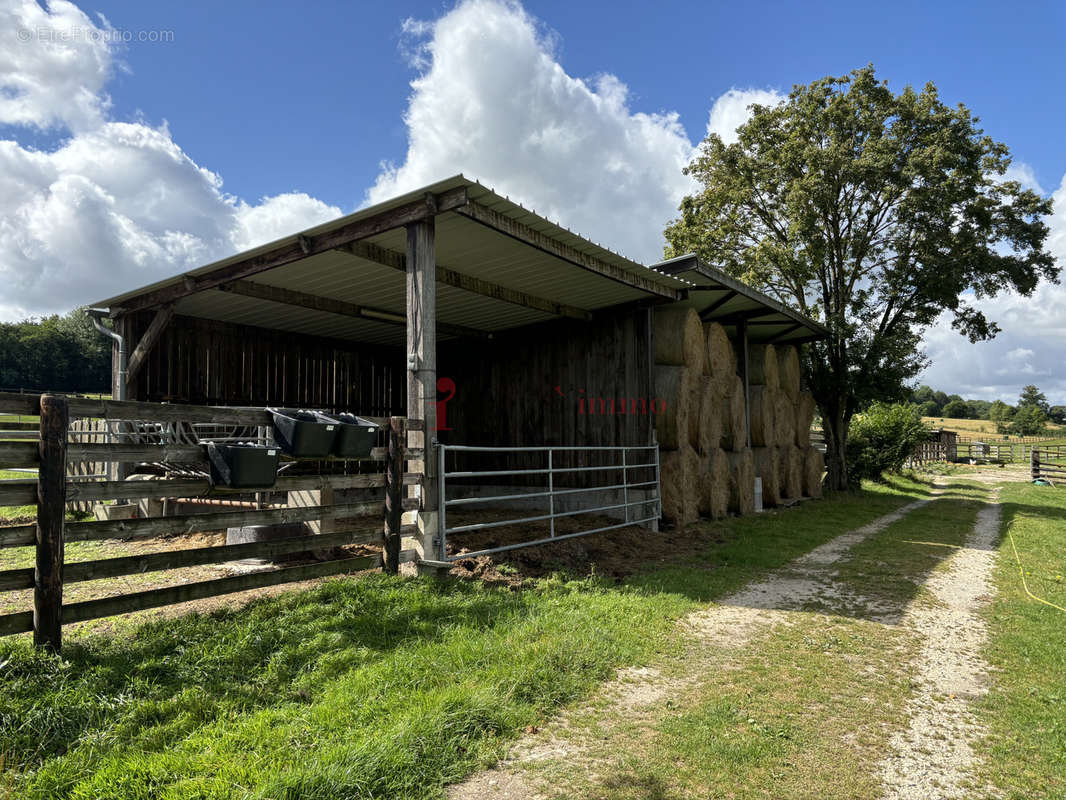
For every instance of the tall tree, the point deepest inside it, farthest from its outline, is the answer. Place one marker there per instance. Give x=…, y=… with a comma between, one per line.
x=1032, y=396
x=874, y=213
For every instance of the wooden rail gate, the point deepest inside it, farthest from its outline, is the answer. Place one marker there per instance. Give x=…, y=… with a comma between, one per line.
x=181, y=474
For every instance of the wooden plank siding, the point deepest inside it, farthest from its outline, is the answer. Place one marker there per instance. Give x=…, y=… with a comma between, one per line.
x=216, y=363
x=507, y=395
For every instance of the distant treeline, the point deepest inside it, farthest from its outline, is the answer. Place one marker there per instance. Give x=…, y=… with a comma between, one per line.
x=1029, y=417
x=57, y=353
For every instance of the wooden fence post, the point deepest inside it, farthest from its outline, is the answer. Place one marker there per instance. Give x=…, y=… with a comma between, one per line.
x=394, y=493
x=1034, y=464
x=51, y=509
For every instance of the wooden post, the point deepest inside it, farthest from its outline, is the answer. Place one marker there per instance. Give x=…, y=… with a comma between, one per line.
x=422, y=374
x=51, y=508
x=394, y=493
x=1034, y=464
x=742, y=333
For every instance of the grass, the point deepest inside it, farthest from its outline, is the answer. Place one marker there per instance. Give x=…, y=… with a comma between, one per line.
x=1025, y=713
x=16, y=514
x=987, y=428
x=379, y=686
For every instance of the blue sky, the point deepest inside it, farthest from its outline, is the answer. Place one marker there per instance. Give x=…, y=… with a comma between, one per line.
x=314, y=100
x=124, y=163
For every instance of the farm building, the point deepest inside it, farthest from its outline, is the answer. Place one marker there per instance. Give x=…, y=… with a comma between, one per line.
x=502, y=331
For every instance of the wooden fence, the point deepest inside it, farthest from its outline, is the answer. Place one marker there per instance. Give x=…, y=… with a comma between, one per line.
x=1048, y=464
x=54, y=450
x=1007, y=453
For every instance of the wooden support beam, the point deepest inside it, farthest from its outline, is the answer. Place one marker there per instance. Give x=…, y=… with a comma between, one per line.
x=468, y=283
x=744, y=359
x=527, y=235
x=300, y=248
x=717, y=304
x=422, y=374
x=291, y=297
x=151, y=336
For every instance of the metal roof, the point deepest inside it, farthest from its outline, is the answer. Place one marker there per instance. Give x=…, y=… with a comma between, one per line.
x=719, y=297
x=463, y=245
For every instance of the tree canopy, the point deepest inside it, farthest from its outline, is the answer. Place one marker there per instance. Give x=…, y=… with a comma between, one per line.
x=874, y=213
x=62, y=354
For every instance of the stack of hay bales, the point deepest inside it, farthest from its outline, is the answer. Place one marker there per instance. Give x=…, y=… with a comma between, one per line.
x=781, y=426
x=707, y=468
x=696, y=377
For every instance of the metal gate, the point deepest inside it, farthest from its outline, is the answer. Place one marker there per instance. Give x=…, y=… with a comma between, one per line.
x=629, y=459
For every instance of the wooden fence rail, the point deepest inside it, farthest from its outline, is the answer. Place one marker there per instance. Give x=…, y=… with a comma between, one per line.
x=77, y=431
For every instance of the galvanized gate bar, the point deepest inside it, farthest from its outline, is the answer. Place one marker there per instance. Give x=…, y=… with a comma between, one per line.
x=551, y=470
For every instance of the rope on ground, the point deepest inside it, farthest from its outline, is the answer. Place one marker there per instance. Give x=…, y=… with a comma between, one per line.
x=1021, y=573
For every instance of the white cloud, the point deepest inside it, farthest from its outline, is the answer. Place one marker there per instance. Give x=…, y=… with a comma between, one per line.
x=733, y=109
x=1029, y=347
x=54, y=64
x=491, y=101
x=115, y=205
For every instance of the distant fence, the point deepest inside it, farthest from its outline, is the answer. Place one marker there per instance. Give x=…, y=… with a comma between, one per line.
x=1010, y=453
x=1048, y=464
x=78, y=431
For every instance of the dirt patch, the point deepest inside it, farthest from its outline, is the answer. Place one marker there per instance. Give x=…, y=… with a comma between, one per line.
x=934, y=758
x=615, y=554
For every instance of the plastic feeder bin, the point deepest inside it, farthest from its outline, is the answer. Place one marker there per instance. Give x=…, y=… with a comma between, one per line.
x=243, y=466
x=355, y=436
x=304, y=434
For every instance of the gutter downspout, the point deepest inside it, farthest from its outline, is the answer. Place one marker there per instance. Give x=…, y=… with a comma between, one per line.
x=96, y=314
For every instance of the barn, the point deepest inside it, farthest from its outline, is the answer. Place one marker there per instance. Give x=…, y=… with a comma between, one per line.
x=551, y=373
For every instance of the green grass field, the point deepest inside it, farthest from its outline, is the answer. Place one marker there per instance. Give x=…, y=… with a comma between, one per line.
x=396, y=687
x=384, y=687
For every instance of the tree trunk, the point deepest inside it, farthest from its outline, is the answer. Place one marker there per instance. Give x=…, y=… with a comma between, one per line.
x=835, y=428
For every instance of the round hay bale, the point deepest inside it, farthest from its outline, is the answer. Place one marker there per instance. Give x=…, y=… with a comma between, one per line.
x=788, y=370
x=734, y=416
x=813, y=472
x=695, y=408
x=794, y=463
x=805, y=406
x=767, y=467
x=679, y=339
x=762, y=414
x=784, y=419
x=673, y=385
x=762, y=366
x=741, y=482
x=721, y=357
x=711, y=416
x=714, y=484
x=679, y=485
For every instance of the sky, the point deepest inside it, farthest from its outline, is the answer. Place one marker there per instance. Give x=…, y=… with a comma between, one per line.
x=138, y=140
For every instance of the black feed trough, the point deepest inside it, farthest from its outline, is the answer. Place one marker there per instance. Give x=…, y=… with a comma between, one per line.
x=355, y=436
x=304, y=434
x=243, y=466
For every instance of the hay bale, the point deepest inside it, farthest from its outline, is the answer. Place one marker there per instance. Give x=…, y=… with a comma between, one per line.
x=762, y=366
x=741, y=482
x=734, y=416
x=805, y=406
x=711, y=416
x=813, y=472
x=679, y=339
x=679, y=485
x=721, y=357
x=794, y=464
x=762, y=414
x=767, y=467
x=695, y=408
x=714, y=484
x=784, y=419
x=674, y=386
x=788, y=370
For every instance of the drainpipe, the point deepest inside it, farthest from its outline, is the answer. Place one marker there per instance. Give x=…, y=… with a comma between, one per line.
x=97, y=314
